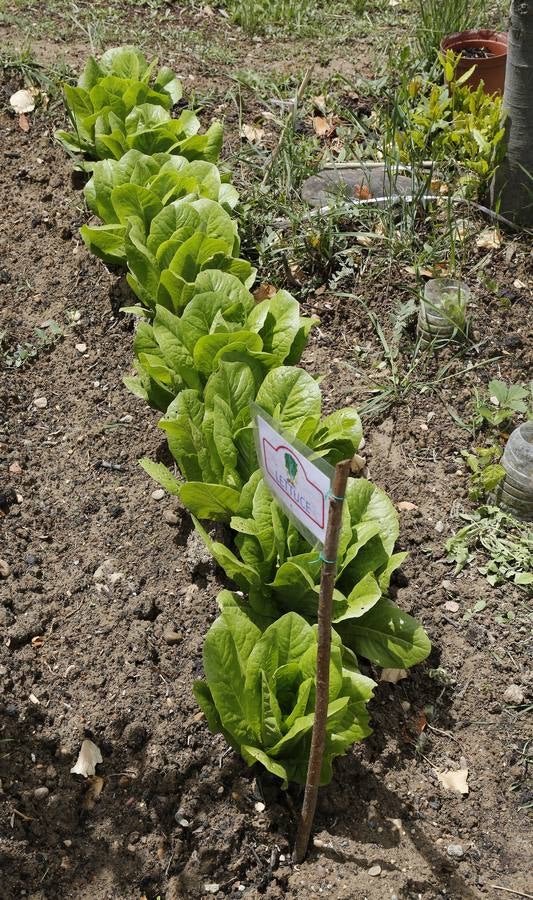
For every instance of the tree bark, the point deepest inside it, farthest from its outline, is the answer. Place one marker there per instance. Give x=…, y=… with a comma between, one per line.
x=512, y=189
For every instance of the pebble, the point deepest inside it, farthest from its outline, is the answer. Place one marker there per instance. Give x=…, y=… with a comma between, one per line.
x=374, y=871
x=455, y=850
x=4, y=569
x=40, y=402
x=513, y=694
x=41, y=793
x=81, y=348
x=158, y=494
x=451, y=606
x=170, y=636
x=170, y=517
x=15, y=468
x=450, y=587
x=259, y=807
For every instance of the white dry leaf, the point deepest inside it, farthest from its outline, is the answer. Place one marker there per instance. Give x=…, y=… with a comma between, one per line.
x=454, y=780
x=393, y=676
x=22, y=102
x=489, y=239
x=88, y=759
x=253, y=134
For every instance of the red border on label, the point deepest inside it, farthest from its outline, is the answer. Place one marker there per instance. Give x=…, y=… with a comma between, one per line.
x=293, y=501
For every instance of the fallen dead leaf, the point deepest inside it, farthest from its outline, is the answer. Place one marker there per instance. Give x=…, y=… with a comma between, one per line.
x=489, y=239
x=362, y=192
x=406, y=506
x=319, y=102
x=519, y=285
x=454, y=780
x=88, y=759
x=24, y=123
x=253, y=134
x=96, y=783
x=297, y=273
x=367, y=238
x=393, y=676
x=264, y=292
x=22, y=101
x=37, y=641
x=325, y=126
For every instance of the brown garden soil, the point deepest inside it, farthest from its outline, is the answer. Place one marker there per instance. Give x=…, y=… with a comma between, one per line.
x=89, y=653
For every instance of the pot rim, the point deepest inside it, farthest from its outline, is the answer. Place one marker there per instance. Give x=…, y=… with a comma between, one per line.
x=477, y=36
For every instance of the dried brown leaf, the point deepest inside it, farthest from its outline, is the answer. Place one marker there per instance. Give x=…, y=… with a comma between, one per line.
x=264, y=292
x=96, y=784
x=253, y=134
x=24, y=123
x=489, y=239
x=393, y=676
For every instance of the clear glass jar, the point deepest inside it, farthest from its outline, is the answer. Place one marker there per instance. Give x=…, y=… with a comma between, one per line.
x=442, y=313
x=515, y=493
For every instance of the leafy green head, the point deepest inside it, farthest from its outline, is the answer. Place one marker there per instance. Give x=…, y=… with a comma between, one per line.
x=260, y=691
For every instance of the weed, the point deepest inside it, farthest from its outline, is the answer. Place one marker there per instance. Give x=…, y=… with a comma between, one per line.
x=502, y=403
x=504, y=540
x=486, y=471
x=45, y=336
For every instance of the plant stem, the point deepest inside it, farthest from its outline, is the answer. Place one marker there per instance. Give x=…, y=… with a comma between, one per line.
x=325, y=605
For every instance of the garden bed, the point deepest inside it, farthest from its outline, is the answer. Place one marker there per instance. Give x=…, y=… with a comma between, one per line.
x=86, y=654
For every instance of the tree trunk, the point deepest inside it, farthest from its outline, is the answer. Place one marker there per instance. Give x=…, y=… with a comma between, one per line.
x=512, y=189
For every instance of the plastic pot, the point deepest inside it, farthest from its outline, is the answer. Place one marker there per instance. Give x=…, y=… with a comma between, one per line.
x=515, y=493
x=442, y=313
x=490, y=70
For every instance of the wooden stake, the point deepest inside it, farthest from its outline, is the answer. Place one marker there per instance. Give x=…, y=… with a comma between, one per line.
x=325, y=606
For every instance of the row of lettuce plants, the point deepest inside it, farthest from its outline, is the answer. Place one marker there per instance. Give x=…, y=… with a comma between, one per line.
x=204, y=350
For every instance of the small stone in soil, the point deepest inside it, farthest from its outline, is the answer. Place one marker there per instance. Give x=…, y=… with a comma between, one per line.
x=40, y=402
x=170, y=636
x=15, y=468
x=450, y=587
x=374, y=871
x=41, y=793
x=158, y=494
x=451, y=606
x=81, y=348
x=4, y=569
x=513, y=694
x=455, y=850
x=170, y=517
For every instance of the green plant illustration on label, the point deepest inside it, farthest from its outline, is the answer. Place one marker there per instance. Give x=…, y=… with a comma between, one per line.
x=292, y=467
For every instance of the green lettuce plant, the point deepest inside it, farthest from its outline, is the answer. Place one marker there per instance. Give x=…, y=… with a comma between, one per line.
x=260, y=691
x=182, y=240
x=178, y=352
x=279, y=571
x=118, y=106
x=212, y=439
x=138, y=186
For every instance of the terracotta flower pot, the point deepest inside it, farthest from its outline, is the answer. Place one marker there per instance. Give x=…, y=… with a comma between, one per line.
x=491, y=69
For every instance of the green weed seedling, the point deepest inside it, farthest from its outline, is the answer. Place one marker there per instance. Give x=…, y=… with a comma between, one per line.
x=502, y=403
x=45, y=336
x=487, y=473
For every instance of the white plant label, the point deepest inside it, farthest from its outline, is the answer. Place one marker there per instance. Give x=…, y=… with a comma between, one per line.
x=299, y=485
